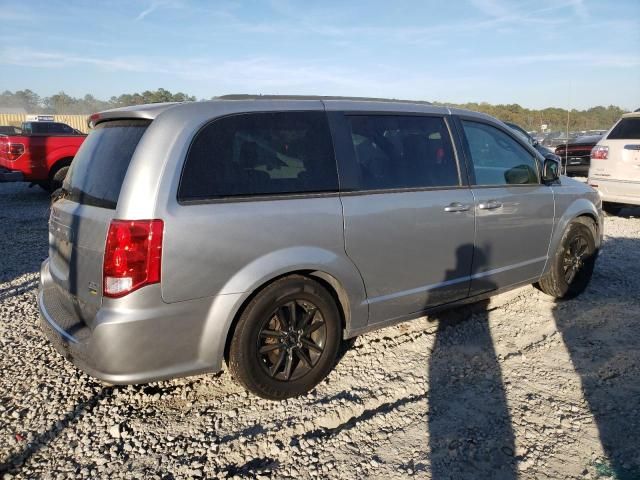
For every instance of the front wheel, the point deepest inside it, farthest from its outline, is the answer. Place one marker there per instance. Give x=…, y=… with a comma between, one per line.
x=572, y=265
x=287, y=339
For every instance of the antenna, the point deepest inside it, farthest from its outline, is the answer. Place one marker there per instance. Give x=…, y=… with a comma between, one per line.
x=566, y=143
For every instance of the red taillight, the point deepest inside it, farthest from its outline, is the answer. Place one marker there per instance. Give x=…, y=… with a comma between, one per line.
x=132, y=256
x=12, y=151
x=600, y=152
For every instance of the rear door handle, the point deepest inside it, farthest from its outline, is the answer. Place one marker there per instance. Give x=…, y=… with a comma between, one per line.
x=456, y=207
x=490, y=205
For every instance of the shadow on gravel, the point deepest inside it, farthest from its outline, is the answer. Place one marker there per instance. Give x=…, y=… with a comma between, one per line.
x=24, y=215
x=601, y=330
x=470, y=432
x=629, y=212
x=18, y=459
x=13, y=290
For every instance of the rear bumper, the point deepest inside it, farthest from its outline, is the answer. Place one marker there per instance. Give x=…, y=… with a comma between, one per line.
x=624, y=192
x=7, y=175
x=130, y=345
x=579, y=170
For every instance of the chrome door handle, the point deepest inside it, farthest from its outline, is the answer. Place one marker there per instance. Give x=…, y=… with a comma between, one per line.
x=456, y=207
x=490, y=205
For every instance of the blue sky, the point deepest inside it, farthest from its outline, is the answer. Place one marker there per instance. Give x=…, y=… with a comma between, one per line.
x=537, y=53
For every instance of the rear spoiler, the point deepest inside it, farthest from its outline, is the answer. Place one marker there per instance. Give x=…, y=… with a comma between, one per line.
x=143, y=112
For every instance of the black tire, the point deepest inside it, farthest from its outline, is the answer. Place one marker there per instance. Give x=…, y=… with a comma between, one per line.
x=287, y=339
x=45, y=186
x=572, y=265
x=57, y=178
x=612, y=209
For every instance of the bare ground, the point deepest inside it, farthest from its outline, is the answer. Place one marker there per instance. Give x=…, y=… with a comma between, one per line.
x=520, y=387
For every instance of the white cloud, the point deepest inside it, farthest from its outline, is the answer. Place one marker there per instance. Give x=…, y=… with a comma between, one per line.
x=505, y=12
x=261, y=74
x=591, y=59
x=158, y=4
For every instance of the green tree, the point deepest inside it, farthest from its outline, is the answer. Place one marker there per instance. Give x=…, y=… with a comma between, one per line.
x=26, y=99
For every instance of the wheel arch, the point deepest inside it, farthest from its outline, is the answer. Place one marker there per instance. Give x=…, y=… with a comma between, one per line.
x=58, y=164
x=581, y=207
x=330, y=282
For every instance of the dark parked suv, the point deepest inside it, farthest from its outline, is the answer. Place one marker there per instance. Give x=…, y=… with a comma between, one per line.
x=576, y=155
x=265, y=232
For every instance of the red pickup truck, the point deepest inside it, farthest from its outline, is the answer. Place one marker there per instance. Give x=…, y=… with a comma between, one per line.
x=40, y=158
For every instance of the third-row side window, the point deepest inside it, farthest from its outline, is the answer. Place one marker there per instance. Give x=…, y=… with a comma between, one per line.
x=394, y=151
x=260, y=154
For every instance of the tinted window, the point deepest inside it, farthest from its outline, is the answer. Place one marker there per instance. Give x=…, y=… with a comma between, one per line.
x=7, y=130
x=403, y=152
x=497, y=158
x=99, y=167
x=41, y=127
x=64, y=128
x=260, y=154
x=626, y=129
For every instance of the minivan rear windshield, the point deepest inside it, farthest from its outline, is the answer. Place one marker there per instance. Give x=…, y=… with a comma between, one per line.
x=626, y=129
x=98, y=169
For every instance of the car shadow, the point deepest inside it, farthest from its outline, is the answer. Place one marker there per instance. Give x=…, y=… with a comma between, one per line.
x=629, y=212
x=601, y=331
x=23, y=231
x=17, y=460
x=470, y=431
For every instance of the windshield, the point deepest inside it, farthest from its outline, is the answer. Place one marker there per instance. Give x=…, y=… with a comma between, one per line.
x=99, y=168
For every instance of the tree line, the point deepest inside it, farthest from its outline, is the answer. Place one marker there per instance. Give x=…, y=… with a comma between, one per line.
x=63, y=104
x=595, y=118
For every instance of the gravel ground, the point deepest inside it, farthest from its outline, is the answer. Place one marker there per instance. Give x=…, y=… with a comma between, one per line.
x=518, y=387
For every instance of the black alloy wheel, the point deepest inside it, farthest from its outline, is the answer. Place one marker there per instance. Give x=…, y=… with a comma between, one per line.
x=287, y=338
x=571, y=268
x=575, y=255
x=291, y=340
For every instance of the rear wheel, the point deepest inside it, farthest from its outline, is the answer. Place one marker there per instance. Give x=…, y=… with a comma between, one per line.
x=572, y=265
x=287, y=339
x=57, y=178
x=44, y=185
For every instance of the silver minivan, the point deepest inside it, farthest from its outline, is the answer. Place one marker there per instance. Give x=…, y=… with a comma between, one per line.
x=264, y=232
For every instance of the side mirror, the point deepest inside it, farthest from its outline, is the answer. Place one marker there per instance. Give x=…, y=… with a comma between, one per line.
x=550, y=170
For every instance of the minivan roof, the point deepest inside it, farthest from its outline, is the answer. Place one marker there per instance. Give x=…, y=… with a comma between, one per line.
x=631, y=114
x=242, y=96
x=151, y=111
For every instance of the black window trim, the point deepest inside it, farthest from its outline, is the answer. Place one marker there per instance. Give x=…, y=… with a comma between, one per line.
x=469, y=161
x=255, y=196
x=337, y=122
x=347, y=154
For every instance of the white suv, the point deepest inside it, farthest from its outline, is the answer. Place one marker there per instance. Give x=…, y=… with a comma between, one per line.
x=615, y=164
